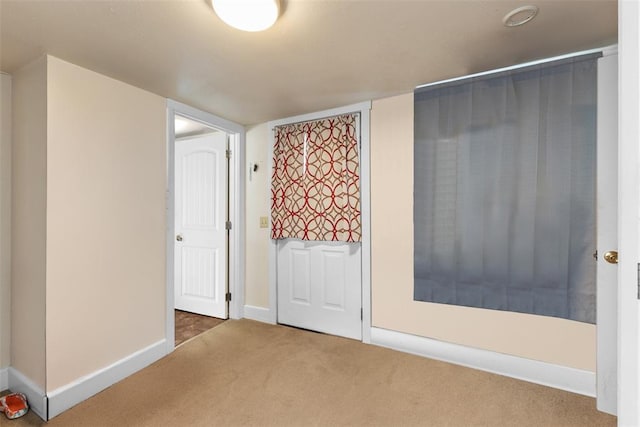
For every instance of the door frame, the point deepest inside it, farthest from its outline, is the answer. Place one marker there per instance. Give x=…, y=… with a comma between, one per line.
x=364, y=109
x=628, y=205
x=606, y=223
x=236, y=210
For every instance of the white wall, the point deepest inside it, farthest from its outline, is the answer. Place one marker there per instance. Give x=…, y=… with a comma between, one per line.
x=28, y=220
x=106, y=175
x=5, y=221
x=257, y=205
x=88, y=200
x=542, y=338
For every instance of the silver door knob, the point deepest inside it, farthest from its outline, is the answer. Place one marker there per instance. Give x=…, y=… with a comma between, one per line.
x=179, y=237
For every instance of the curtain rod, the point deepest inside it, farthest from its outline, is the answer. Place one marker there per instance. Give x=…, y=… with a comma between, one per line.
x=605, y=51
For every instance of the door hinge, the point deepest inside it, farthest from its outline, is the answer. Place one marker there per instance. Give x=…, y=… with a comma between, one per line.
x=361, y=314
x=227, y=225
x=227, y=297
x=227, y=153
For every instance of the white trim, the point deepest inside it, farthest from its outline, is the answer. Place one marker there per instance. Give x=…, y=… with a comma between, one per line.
x=259, y=314
x=36, y=397
x=606, y=237
x=170, y=321
x=364, y=108
x=236, y=237
x=204, y=117
x=236, y=210
x=556, y=376
x=365, y=202
x=4, y=379
x=628, y=215
x=272, y=255
x=353, y=108
x=83, y=388
x=607, y=50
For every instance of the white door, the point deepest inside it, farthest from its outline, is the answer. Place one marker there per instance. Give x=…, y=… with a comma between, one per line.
x=200, y=218
x=319, y=286
x=607, y=234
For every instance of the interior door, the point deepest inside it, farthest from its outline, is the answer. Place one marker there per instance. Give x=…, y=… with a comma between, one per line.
x=200, y=219
x=607, y=234
x=319, y=286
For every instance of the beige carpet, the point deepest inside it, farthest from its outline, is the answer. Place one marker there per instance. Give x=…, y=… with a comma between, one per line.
x=248, y=373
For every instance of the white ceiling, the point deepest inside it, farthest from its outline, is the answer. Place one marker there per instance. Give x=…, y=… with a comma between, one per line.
x=320, y=54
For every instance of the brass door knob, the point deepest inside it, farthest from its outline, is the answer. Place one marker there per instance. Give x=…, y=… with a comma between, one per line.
x=611, y=257
x=179, y=237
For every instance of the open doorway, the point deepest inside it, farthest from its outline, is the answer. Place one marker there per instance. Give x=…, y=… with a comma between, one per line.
x=201, y=191
x=203, y=222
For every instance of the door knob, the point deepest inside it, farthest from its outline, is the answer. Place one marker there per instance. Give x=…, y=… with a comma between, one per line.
x=179, y=237
x=611, y=257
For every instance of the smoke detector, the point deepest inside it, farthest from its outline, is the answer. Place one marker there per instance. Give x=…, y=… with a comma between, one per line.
x=520, y=16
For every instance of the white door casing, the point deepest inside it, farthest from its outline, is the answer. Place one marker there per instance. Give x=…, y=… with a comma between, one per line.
x=237, y=136
x=319, y=286
x=200, y=217
x=628, y=218
x=607, y=233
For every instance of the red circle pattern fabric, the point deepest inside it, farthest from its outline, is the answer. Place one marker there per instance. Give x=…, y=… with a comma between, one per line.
x=315, y=186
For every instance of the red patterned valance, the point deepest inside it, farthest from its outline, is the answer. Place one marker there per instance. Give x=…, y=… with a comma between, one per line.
x=315, y=187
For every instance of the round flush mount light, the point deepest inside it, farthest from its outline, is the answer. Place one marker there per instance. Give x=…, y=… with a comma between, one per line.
x=247, y=15
x=520, y=16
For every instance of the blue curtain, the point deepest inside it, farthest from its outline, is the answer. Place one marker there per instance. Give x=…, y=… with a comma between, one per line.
x=504, y=191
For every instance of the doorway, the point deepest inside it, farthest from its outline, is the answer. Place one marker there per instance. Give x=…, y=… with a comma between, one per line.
x=338, y=274
x=201, y=209
x=204, y=223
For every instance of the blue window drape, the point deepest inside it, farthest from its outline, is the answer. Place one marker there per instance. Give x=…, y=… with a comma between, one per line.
x=504, y=191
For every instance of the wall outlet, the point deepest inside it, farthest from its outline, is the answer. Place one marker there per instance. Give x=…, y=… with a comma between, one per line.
x=264, y=222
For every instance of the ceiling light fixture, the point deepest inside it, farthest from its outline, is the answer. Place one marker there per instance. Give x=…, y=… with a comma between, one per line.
x=247, y=15
x=520, y=16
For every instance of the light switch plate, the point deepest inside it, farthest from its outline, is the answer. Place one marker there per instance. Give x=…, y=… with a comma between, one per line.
x=264, y=222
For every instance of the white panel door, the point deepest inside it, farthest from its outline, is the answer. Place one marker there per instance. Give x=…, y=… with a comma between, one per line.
x=200, y=217
x=319, y=286
x=607, y=234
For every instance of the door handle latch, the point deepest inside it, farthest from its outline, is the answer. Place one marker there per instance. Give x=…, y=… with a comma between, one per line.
x=179, y=237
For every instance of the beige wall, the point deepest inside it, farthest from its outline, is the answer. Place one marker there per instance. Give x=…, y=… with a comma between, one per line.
x=257, y=205
x=105, y=221
x=28, y=221
x=5, y=220
x=542, y=338
x=548, y=339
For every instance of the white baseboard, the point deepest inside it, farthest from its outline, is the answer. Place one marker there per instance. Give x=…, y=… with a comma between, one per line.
x=35, y=395
x=4, y=379
x=548, y=374
x=259, y=313
x=71, y=394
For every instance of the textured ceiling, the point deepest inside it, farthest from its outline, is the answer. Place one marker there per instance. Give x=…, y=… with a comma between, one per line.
x=320, y=54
